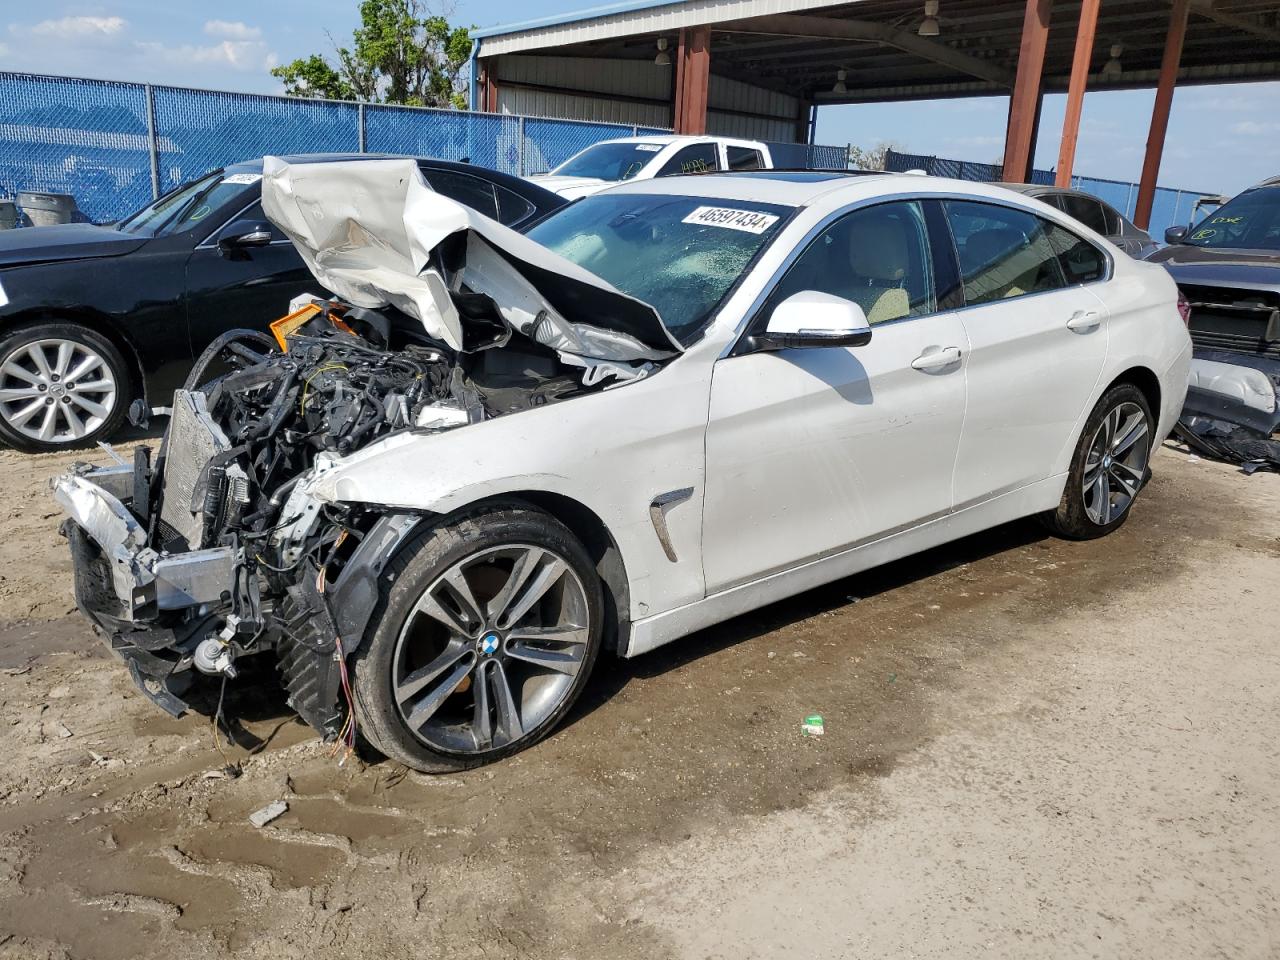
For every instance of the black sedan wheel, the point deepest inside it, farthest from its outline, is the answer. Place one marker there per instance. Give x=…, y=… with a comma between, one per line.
x=484, y=639
x=61, y=385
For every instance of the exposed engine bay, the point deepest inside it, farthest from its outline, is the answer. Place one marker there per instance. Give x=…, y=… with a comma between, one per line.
x=212, y=550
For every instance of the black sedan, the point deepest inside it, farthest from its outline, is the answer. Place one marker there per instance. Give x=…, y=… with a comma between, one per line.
x=94, y=316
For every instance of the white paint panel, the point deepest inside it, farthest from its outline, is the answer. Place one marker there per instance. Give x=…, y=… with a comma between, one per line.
x=667, y=17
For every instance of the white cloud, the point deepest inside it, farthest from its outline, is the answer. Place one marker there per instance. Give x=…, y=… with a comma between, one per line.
x=1255, y=128
x=236, y=54
x=1237, y=104
x=232, y=30
x=76, y=27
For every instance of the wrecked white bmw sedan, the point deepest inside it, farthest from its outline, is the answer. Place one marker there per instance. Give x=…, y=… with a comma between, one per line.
x=494, y=458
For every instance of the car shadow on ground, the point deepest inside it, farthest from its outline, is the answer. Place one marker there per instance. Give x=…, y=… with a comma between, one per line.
x=257, y=700
x=607, y=682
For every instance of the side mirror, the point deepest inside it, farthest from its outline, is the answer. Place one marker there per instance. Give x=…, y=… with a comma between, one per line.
x=813, y=319
x=243, y=234
x=1175, y=234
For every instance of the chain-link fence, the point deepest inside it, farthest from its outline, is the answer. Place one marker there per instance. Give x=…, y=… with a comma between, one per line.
x=1171, y=206
x=116, y=146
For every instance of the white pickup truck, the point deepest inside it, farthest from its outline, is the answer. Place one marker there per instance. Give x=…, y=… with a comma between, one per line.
x=643, y=158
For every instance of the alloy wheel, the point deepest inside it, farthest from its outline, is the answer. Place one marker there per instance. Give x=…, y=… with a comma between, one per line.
x=491, y=649
x=1116, y=463
x=55, y=390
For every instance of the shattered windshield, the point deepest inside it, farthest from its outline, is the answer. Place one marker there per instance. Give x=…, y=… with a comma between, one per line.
x=609, y=161
x=1251, y=221
x=680, y=255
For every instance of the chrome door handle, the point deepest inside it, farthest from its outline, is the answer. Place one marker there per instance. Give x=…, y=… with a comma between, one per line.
x=1082, y=321
x=937, y=359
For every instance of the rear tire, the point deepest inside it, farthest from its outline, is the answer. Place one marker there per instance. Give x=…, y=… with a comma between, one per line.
x=62, y=385
x=1109, y=467
x=485, y=634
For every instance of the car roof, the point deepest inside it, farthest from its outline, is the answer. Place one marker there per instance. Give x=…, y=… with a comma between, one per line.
x=797, y=189
x=669, y=138
x=1031, y=189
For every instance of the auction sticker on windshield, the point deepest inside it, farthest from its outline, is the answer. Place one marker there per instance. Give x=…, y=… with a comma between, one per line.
x=749, y=221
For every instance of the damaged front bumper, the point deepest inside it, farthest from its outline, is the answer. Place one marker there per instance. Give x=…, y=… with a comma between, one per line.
x=153, y=608
x=168, y=615
x=1232, y=411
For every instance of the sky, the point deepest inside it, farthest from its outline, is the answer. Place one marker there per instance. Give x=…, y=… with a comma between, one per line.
x=1221, y=138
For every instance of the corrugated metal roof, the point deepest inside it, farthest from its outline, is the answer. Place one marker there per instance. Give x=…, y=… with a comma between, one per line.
x=573, y=16
x=627, y=18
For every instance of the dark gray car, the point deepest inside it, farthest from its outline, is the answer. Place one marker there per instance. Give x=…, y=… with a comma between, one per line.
x=1097, y=215
x=1228, y=269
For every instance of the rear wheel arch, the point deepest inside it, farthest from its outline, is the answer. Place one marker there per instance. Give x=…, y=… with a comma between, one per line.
x=1145, y=379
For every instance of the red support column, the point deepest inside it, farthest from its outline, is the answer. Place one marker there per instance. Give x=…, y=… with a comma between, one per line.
x=1160, y=112
x=490, y=92
x=693, y=74
x=1075, y=90
x=1019, y=143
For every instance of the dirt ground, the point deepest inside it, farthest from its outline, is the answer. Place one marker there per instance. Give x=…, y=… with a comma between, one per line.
x=1033, y=749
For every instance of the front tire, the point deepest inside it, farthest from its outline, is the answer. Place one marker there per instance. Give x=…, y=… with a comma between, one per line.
x=485, y=634
x=1109, y=467
x=61, y=385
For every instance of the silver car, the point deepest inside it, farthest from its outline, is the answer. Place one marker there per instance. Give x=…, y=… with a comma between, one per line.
x=1098, y=215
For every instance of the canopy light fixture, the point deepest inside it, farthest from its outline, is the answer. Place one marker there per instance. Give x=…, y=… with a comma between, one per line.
x=929, y=26
x=840, y=86
x=1113, y=67
x=663, y=59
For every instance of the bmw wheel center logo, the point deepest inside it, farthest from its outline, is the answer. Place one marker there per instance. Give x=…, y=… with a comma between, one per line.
x=489, y=644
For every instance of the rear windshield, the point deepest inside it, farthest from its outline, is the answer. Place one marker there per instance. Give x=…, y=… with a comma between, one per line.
x=609, y=161
x=1251, y=221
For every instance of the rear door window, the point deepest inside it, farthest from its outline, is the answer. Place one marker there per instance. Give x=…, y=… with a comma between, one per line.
x=472, y=191
x=744, y=158
x=1085, y=209
x=512, y=208
x=695, y=158
x=1114, y=220
x=1081, y=261
x=1003, y=252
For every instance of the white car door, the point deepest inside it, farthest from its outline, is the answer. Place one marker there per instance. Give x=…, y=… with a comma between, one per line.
x=1037, y=343
x=810, y=451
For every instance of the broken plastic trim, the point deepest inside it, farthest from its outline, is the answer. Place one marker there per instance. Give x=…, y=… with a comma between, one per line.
x=1232, y=412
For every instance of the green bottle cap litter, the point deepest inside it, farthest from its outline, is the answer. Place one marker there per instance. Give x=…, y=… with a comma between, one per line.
x=812, y=726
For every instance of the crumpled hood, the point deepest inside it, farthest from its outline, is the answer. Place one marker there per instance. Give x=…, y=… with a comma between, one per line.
x=65, y=241
x=571, y=188
x=1246, y=269
x=367, y=231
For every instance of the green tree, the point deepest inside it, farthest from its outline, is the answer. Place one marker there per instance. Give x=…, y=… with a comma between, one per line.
x=870, y=159
x=402, y=52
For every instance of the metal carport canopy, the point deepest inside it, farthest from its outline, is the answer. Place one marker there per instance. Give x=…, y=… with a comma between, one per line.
x=799, y=51
x=796, y=46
